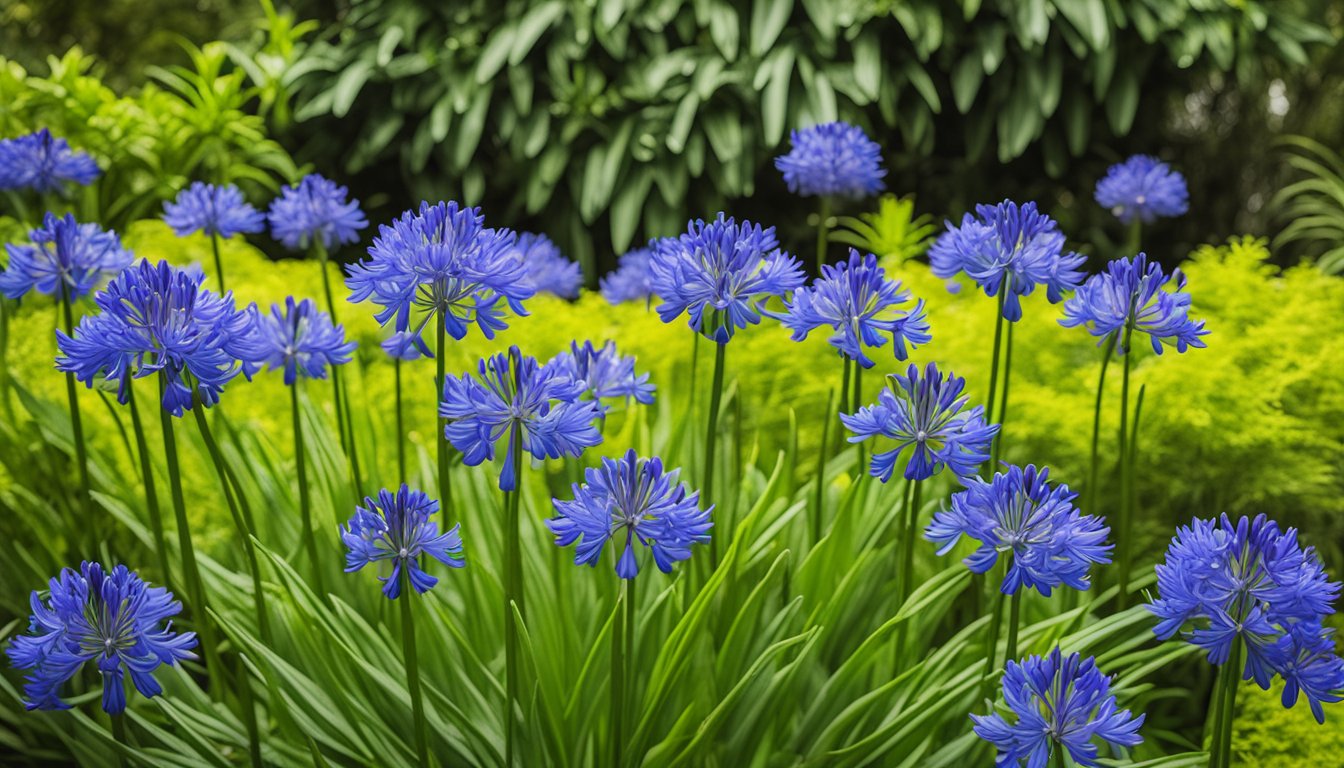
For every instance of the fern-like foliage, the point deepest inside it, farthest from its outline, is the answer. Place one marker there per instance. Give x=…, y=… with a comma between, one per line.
x=893, y=232
x=1312, y=208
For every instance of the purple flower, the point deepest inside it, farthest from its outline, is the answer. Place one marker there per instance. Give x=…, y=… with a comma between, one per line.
x=832, y=159
x=214, y=210
x=1145, y=187
x=43, y=163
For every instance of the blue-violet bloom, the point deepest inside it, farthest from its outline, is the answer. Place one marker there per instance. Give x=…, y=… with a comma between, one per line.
x=604, y=373
x=628, y=501
x=213, y=210
x=315, y=211
x=300, y=339
x=632, y=280
x=1130, y=292
x=397, y=527
x=43, y=163
x=66, y=259
x=832, y=159
x=547, y=268
x=1145, y=187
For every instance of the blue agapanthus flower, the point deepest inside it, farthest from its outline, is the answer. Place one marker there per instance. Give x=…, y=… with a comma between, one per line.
x=1130, y=291
x=65, y=259
x=1224, y=582
x=547, y=268
x=441, y=263
x=832, y=159
x=113, y=618
x=1011, y=248
x=632, y=280
x=155, y=318
x=604, y=373
x=628, y=501
x=509, y=391
x=720, y=274
x=300, y=339
x=315, y=210
x=1145, y=187
x=213, y=210
x=856, y=300
x=397, y=527
x=404, y=346
x=1019, y=515
x=1061, y=702
x=926, y=414
x=43, y=163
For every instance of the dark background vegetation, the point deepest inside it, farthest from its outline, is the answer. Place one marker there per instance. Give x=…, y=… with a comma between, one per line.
x=554, y=115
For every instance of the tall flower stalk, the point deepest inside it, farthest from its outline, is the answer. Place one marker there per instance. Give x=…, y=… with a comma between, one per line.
x=216, y=211
x=402, y=348
x=396, y=528
x=533, y=409
x=720, y=274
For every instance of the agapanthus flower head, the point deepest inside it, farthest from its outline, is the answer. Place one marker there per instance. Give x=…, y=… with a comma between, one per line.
x=1247, y=581
x=720, y=274
x=631, y=501
x=397, y=527
x=155, y=318
x=316, y=210
x=442, y=263
x=43, y=163
x=511, y=390
x=1061, y=702
x=300, y=339
x=547, y=268
x=1019, y=515
x=65, y=259
x=1145, y=187
x=604, y=373
x=110, y=617
x=1130, y=292
x=405, y=346
x=213, y=210
x=926, y=414
x=1010, y=248
x=832, y=159
x=632, y=280
x=856, y=300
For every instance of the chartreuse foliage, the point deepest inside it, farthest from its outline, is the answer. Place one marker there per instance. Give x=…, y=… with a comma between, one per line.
x=782, y=655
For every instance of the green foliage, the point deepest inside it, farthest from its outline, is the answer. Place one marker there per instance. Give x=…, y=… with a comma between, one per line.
x=612, y=121
x=894, y=231
x=1313, y=206
x=196, y=125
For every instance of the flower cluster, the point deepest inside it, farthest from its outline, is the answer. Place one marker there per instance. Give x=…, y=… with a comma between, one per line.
x=43, y=163
x=856, y=300
x=604, y=373
x=832, y=159
x=444, y=263
x=214, y=210
x=1130, y=293
x=315, y=211
x=1010, y=248
x=66, y=259
x=720, y=274
x=404, y=345
x=155, y=318
x=548, y=270
x=631, y=501
x=1018, y=513
x=512, y=392
x=632, y=280
x=110, y=617
x=928, y=415
x=1061, y=702
x=397, y=527
x=1143, y=187
x=1224, y=582
x=300, y=339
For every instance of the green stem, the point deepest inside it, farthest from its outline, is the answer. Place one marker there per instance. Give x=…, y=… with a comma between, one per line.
x=993, y=581
x=711, y=440
x=147, y=479
x=401, y=427
x=1229, y=680
x=77, y=426
x=1134, y=238
x=445, y=489
x=1059, y=756
x=994, y=360
x=249, y=712
x=857, y=401
x=1123, y=524
x=845, y=386
x=513, y=580
x=305, y=503
x=219, y=265
x=345, y=429
x=823, y=230
x=1107, y=351
x=1014, y=619
x=618, y=669
x=233, y=496
x=906, y=582
x=119, y=735
x=191, y=574
x=1002, y=413
x=818, y=507
x=4, y=359
x=322, y=259
x=413, y=666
